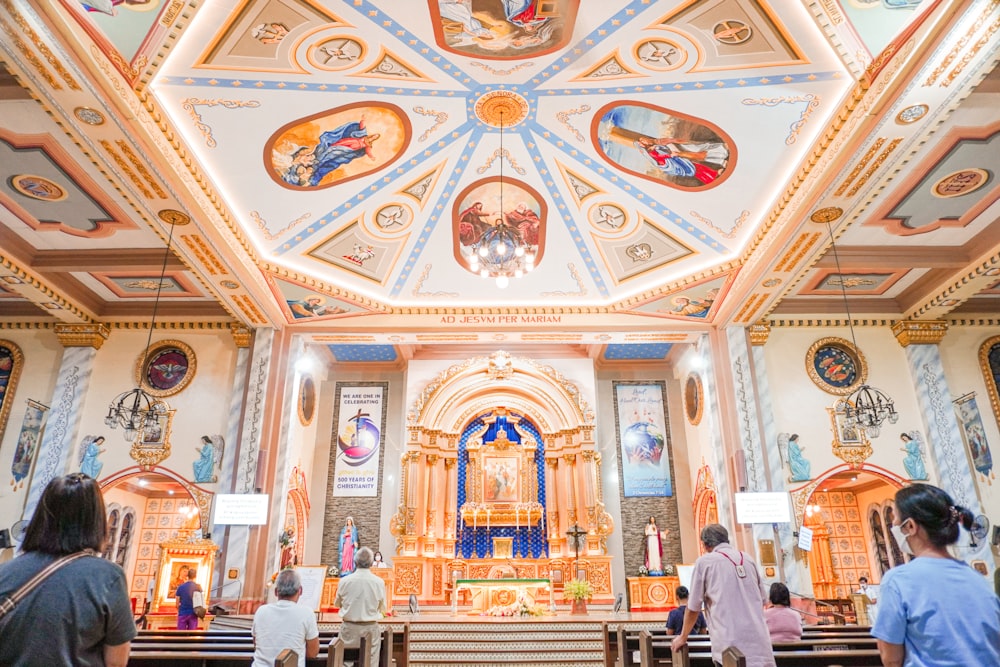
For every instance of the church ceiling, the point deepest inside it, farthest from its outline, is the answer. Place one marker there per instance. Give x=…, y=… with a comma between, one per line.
x=336, y=162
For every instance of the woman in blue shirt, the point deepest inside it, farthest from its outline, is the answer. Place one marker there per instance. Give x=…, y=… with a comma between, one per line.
x=935, y=610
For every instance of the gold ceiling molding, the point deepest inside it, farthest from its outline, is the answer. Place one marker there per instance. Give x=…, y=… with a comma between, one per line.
x=669, y=288
x=978, y=322
x=120, y=161
x=250, y=309
x=28, y=326
x=869, y=154
x=196, y=244
x=28, y=54
x=754, y=302
x=879, y=161
x=919, y=332
x=961, y=44
x=242, y=335
x=37, y=284
x=827, y=323
x=803, y=244
x=82, y=335
x=326, y=289
x=127, y=151
x=170, y=326
x=43, y=48
x=759, y=333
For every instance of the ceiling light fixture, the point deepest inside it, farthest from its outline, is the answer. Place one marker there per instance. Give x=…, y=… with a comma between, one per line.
x=136, y=409
x=868, y=407
x=501, y=252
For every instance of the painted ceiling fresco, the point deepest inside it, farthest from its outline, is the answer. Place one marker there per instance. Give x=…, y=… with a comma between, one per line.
x=372, y=147
x=334, y=165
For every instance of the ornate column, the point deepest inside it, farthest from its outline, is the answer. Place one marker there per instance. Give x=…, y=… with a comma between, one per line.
x=451, y=502
x=553, y=498
x=796, y=574
x=430, y=512
x=247, y=444
x=746, y=403
x=55, y=454
x=919, y=340
x=711, y=420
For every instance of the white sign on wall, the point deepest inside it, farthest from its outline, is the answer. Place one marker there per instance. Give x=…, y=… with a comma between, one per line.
x=763, y=507
x=240, y=509
x=805, y=538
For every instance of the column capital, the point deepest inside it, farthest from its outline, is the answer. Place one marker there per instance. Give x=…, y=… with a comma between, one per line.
x=919, y=332
x=82, y=335
x=759, y=333
x=241, y=334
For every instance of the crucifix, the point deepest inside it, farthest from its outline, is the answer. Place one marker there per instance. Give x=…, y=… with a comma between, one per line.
x=575, y=533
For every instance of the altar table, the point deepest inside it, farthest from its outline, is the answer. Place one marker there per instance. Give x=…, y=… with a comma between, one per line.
x=489, y=592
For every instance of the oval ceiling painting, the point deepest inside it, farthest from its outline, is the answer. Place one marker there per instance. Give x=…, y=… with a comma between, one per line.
x=663, y=146
x=503, y=29
x=337, y=146
x=499, y=228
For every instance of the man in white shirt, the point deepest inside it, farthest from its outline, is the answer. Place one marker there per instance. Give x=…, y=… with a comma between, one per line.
x=871, y=595
x=361, y=599
x=285, y=624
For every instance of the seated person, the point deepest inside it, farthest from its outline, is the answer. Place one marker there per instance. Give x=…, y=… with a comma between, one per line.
x=675, y=619
x=783, y=622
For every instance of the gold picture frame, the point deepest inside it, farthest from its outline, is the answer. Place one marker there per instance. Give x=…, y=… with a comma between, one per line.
x=152, y=445
x=172, y=363
x=984, y=365
x=850, y=443
x=307, y=400
x=836, y=366
x=16, y=361
x=694, y=399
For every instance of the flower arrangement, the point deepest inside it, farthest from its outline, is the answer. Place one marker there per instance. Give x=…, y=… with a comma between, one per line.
x=578, y=589
x=522, y=606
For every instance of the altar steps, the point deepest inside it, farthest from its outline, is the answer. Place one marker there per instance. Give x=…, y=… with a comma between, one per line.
x=506, y=642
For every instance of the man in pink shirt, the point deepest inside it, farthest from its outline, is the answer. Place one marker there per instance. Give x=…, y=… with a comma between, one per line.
x=728, y=586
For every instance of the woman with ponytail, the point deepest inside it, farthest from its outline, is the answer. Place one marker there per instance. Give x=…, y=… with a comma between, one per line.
x=935, y=610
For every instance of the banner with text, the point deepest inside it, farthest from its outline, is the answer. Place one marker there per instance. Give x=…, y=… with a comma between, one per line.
x=360, y=422
x=640, y=420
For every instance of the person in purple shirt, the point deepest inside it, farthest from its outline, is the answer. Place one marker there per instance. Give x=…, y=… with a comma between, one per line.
x=783, y=622
x=186, y=618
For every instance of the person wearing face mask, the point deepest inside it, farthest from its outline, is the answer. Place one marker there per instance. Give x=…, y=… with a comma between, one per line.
x=934, y=610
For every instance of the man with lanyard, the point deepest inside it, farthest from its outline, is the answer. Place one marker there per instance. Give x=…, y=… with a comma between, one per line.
x=361, y=600
x=727, y=585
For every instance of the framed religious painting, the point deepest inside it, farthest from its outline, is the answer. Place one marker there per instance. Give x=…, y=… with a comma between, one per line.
x=152, y=442
x=307, y=400
x=850, y=442
x=11, y=361
x=694, y=398
x=501, y=478
x=836, y=366
x=167, y=369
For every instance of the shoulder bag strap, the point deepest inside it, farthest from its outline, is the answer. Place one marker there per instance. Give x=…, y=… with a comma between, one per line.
x=7, y=604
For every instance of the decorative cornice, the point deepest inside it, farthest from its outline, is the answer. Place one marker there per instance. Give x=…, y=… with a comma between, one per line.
x=759, y=333
x=82, y=335
x=916, y=332
x=241, y=334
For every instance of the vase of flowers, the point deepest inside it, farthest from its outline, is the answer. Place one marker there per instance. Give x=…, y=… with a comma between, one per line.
x=578, y=591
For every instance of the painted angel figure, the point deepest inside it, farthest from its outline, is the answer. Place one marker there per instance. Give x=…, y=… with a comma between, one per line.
x=791, y=455
x=209, y=458
x=913, y=462
x=90, y=450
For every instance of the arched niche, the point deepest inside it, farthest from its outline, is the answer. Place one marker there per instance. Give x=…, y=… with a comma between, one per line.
x=202, y=498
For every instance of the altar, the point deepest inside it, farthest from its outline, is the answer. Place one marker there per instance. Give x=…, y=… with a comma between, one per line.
x=487, y=593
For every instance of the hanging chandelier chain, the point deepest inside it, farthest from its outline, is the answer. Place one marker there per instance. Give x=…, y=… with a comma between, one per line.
x=159, y=290
x=843, y=285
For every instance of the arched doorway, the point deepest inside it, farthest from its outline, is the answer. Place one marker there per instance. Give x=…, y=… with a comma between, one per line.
x=147, y=508
x=846, y=509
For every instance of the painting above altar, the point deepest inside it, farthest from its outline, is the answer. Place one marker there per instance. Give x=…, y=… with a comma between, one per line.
x=502, y=478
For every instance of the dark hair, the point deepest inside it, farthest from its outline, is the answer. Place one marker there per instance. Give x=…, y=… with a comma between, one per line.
x=287, y=585
x=933, y=509
x=780, y=595
x=682, y=593
x=864, y=579
x=69, y=517
x=713, y=535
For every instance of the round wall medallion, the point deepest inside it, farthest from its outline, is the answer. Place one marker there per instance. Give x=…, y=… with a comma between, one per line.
x=230, y=284
x=828, y=214
x=172, y=217
x=911, y=114
x=607, y=217
x=501, y=108
x=771, y=282
x=694, y=403
x=961, y=182
x=167, y=369
x=660, y=54
x=307, y=400
x=835, y=366
x=37, y=187
x=89, y=116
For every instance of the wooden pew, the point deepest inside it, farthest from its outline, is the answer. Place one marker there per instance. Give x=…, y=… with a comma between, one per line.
x=731, y=657
x=657, y=653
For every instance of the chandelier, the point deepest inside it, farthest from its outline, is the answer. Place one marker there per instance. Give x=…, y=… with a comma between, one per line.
x=136, y=410
x=501, y=252
x=868, y=407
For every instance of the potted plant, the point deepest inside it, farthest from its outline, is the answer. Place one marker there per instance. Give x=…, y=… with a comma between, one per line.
x=578, y=591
